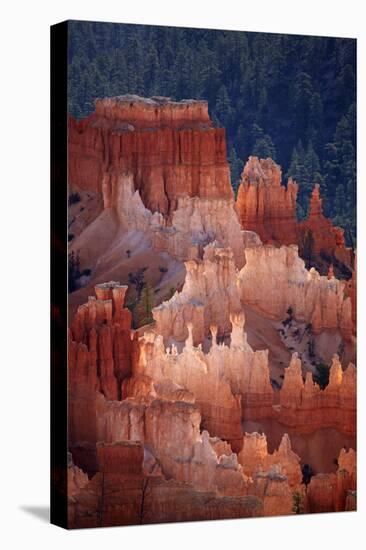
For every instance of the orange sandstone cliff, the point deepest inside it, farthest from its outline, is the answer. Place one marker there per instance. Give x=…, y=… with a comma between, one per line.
x=159, y=416
x=143, y=414
x=268, y=207
x=170, y=148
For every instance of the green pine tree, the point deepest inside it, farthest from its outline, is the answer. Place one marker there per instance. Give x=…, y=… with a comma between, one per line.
x=236, y=168
x=145, y=305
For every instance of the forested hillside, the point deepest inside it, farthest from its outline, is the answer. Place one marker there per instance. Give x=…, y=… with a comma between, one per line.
x=289, y=97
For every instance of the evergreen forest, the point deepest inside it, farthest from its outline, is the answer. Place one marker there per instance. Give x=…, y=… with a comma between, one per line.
x=289, y=97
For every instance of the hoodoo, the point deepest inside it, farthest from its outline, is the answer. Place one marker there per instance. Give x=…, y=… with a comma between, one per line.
x=210, y=404
x=326, y=237
x=268, y=207
x=265, y=205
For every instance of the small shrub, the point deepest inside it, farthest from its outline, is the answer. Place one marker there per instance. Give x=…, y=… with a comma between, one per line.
x=74, y=270
x=171, y=292
x=275, y=384
x=297, y=503
x=145, y=306
x=321, y=377
x=137, y=281
x=307, y=473
x=311, y=348
x=74, y=198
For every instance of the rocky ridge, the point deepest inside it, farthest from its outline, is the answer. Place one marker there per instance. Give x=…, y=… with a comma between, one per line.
x=156, y=414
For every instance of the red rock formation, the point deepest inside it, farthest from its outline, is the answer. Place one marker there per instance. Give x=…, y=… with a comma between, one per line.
x=320, y=496
x=352, y=291
x=169, y=147
x=138, y=499
x=266, y=206
x=255, y=459
x=101, y=340
x=346, y=480
x=76, y=478
x=274, y=279
x=274, y=491
x=326, y=237
x=307, y=408
x=100, y=353
x=121, y=457
x=171, y=432
x=154, y=434
x=156, y=420
x=292, y=387
x=193, y=371
x=208, y=297
x=334, y=492
x=229, y=382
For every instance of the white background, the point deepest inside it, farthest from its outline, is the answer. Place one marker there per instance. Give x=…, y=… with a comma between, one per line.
x=24, y=300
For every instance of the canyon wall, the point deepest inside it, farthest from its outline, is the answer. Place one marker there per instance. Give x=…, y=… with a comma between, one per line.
x=208, y=297
x=161, y=169
x=156, y=414
x=334, y=492
x=143, y=413
x=268, y=207
x=275, y=279
x=304, y=406
x=170, y=148
x=271, y=281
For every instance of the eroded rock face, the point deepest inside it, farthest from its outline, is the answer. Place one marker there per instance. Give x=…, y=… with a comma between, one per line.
x=275, y=279
x=197, y=222
x=170, y=148
x=171, y=432
x=275, y=493
x=100, y=352
x=101, y=340
x=177, y=419
x=326, y=237
x=266, y=206
x=76, y=478
x=255, y=459
x=334, y=492
x=229, y=382
x=307, y=407
x=162, y=172
x=155, y=416
x=194, y=223
x=208, y=296
x=133, y=500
